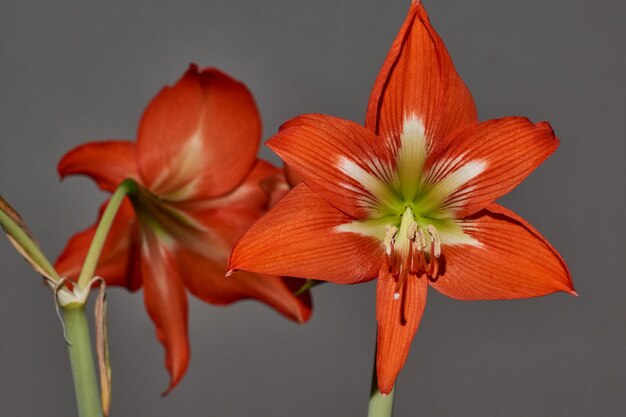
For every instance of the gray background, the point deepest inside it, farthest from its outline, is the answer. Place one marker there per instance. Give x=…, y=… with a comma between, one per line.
x=82, y=70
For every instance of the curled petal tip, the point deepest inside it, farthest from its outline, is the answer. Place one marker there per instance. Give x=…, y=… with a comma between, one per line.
x=572, y=292
x=167, y=391
x=544, y=124
x=174, y=380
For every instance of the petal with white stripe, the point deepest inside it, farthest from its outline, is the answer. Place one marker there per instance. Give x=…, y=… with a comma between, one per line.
x=343, y=162
x=480, y=163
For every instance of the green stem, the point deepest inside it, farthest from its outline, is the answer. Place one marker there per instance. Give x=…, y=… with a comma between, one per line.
x=81, y=359
x=27, y=244
x=91, y=260
x=380, y=405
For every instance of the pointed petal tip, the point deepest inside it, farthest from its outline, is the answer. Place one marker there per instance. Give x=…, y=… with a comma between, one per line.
x=169, y=389
x=572, y=292
x=230, y=272
x=176, y=375
x=303, y=315
x=174, y=381
x=193, y=67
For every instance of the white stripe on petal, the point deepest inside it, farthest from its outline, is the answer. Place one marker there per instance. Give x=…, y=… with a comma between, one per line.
x=411, y=156
x=378, y=193
x=368, y=228
x=182, y=171
x=440, y=191
x=455, y=233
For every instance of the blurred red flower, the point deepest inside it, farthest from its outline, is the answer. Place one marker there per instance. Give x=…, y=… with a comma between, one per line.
x=200, y=186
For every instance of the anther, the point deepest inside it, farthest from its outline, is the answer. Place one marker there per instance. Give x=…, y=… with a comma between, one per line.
x=390, y=237
x=411, y=231
x=420, y=240
x=435, y=241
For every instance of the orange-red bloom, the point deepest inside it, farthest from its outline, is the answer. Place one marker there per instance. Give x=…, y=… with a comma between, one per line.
x=409, y=198
x=201, y=186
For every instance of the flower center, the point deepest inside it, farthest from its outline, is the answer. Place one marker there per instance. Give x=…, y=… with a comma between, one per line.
x=411, y=250
x=165, y=220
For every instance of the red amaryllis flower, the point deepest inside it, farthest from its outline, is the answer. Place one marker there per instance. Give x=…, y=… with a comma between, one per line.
x=200, y=187
x=409, y=199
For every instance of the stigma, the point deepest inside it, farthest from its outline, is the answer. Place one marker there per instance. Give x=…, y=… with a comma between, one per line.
x=411, y=251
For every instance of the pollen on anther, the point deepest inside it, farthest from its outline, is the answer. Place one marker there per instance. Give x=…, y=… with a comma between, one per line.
x=412, y=230
x=390, y=234
x=435, y=240
x=420, y=240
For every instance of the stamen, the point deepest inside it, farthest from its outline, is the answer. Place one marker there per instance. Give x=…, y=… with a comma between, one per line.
x=435, y=241
x=410, y=234
x=390, y=237
x=433, y=267
x=417, y=238
x=404, y=271
x=390, y=253
x=392, y=260
x=420, y=240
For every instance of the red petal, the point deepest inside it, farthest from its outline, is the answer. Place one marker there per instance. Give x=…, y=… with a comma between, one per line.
x=254, y=193
x=118, y=259
x=292, y=176
x=298, y=238
x=514, y=261
x=510, y=148
x=166, y=302
x=108, y=163
x=317, y=147
x=398, y=321
x=199, y=138
x=204, y=263
x=204, y=277
x=418, y=78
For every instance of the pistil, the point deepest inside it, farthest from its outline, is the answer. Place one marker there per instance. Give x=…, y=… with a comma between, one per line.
x=403, y=243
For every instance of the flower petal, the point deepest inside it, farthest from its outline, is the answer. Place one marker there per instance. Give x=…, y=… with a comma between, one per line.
x=166, y=302
x=512, y=261
x=118, y=259
x=199, y=138
x=340, y=160
x=255, y=193
x=204, y=277
x=484, y=161
x=108, y=163
x=300, y=238
x=398, y=320
x=419, y=81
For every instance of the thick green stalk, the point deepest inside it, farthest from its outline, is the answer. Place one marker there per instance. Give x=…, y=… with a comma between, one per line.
x=380, y=405
x=91, y=260
x=81, y=359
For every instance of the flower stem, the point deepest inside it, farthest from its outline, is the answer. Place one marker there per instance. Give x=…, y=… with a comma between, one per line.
x=380, y=405
x=81, y=359
x=91, y=260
